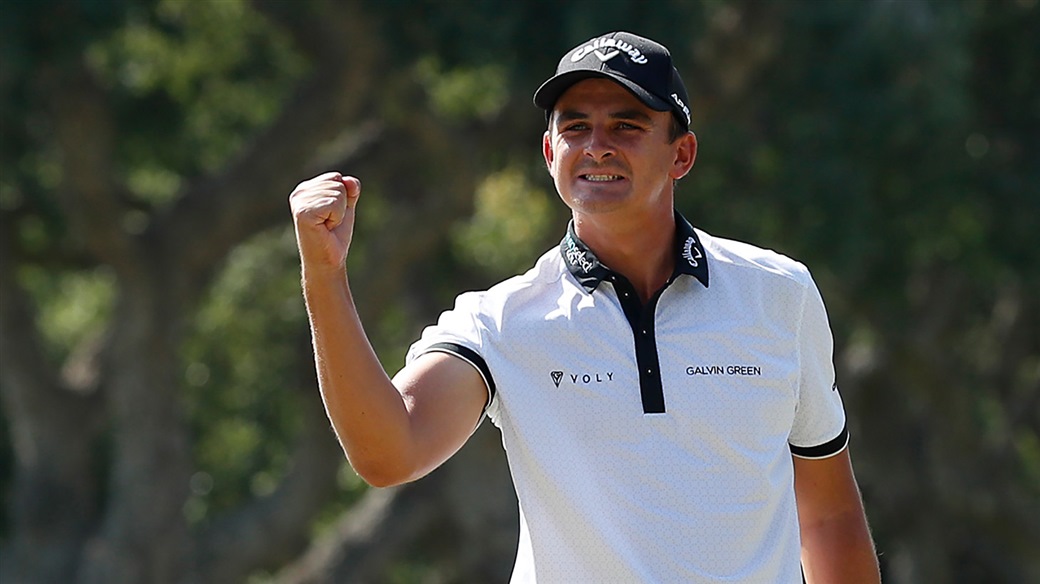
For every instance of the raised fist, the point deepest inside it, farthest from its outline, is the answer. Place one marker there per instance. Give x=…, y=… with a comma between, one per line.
x=323, y=214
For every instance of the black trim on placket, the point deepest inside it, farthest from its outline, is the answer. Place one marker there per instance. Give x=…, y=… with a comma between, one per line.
x=690, y=260
x=641, y=319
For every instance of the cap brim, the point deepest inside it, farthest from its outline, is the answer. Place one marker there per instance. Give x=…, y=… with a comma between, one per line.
x=551, y=90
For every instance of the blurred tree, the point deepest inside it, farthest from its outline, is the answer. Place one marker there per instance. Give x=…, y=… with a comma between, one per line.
x=160, y=420
x=863, y=139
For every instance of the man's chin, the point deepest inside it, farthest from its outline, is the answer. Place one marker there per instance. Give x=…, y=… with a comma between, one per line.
x=598, y=202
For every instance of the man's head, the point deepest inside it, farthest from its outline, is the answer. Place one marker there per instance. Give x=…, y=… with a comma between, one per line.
x=640, y=65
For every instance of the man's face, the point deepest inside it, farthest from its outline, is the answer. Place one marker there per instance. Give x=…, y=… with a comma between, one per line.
x=607, y=151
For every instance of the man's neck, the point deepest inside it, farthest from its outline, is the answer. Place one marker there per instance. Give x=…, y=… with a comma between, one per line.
x=640, y=248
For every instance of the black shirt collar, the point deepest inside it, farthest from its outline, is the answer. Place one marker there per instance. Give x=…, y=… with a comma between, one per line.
x=587, y=269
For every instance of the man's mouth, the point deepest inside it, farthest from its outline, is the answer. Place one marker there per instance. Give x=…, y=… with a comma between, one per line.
x=601, y=177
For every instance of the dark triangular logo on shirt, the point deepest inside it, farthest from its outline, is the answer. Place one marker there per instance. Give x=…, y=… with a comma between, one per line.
x=557, y=376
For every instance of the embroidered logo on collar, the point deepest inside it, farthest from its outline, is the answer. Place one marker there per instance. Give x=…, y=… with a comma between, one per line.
x=613, y=48
x=578, y=256
x=586, y=268
x=692, y=252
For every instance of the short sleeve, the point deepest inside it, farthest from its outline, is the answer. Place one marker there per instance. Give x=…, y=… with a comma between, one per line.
x=819, y=428
x=459, y=332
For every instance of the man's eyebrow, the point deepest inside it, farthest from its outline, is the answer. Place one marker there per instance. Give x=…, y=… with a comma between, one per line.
x=570, y=115
x=632, y=114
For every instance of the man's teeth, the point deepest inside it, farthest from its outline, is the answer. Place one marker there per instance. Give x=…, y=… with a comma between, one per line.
x=602, y=177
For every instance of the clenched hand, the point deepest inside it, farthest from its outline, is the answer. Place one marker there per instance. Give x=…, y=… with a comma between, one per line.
x=323, y=214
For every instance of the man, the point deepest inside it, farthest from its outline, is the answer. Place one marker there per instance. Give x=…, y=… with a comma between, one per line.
x=658, y=429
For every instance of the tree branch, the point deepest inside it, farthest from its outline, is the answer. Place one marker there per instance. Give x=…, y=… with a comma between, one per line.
x=365, y=539
x=250, y=195
x=469, y=501
x=84, y=131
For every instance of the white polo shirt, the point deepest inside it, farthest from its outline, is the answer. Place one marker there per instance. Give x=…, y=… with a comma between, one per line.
x=653, y=443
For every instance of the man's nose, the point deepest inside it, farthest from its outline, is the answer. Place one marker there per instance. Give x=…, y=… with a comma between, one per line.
x=599, y=145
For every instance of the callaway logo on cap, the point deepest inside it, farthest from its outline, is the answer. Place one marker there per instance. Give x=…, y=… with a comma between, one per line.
x=641, y=65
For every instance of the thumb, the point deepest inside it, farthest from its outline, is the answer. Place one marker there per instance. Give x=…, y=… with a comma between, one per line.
x=353, y=190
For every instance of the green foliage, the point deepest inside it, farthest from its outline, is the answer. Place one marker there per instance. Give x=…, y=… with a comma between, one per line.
x=892, y=146
x=74, y=307
x=190, y=83
x=462, y=93
x=239, y=383
x=206, y=73
x=510, y=224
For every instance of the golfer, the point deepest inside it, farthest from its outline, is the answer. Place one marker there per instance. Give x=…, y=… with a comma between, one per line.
x=666, y=398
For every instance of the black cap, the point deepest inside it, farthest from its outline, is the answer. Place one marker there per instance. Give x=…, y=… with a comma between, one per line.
x=641, y=65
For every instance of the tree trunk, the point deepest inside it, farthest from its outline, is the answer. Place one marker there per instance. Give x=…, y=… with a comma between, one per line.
x=53, y=431
x=460, y=523
x=144, y=536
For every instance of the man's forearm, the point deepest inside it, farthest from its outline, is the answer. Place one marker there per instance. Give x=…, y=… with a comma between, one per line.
x=366, y=410
x=839, y=550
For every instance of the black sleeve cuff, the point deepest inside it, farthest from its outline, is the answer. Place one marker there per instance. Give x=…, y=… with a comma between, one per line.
x=473, y=358
x=824, y=450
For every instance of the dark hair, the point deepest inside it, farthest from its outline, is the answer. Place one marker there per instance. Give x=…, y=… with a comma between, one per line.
x=676, y=129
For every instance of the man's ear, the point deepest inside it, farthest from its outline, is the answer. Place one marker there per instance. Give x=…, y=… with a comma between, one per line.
x=547, y=150
x=685, y=155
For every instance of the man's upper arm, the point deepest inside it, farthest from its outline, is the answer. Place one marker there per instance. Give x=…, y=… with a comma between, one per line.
x=824, y=487
x=445, y=397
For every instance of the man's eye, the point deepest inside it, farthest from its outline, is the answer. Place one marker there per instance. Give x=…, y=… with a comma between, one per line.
x=574, y=127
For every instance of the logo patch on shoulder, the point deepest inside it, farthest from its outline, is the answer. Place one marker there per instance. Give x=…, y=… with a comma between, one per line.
x=557, y=376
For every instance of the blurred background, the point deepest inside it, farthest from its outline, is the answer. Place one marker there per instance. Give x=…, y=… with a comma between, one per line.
x=160, y=417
